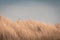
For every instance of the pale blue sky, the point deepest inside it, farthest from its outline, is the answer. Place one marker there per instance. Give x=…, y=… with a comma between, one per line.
x=46, y=11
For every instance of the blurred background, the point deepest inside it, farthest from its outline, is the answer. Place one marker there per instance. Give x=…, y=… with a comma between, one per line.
x=43, y=10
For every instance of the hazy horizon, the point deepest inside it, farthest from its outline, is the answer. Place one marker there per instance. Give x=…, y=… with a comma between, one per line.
x=46, y=11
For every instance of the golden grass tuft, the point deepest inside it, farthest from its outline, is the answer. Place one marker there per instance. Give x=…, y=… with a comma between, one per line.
x=27, y=30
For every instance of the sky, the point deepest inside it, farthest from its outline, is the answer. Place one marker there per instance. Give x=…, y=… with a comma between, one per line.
x=47, y=11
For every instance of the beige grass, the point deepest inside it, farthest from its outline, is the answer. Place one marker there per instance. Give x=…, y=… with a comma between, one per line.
x=27, y=30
